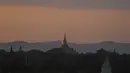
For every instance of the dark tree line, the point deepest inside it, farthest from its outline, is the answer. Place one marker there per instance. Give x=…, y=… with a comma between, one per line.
x=35, y=61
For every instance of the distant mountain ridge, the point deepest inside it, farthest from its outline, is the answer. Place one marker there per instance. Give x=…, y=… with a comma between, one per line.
x=107, y=45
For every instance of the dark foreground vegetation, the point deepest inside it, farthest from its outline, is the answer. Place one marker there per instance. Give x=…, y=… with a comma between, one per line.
x=35, y=61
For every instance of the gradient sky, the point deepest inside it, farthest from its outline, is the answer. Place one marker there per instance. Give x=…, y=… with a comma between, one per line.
x=84, y=21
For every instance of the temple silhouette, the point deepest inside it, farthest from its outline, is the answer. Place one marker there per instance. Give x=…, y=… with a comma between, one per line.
x=64, y=48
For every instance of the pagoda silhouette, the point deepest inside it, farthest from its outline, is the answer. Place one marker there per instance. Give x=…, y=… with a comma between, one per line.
x=64, y=48
x=64, y=44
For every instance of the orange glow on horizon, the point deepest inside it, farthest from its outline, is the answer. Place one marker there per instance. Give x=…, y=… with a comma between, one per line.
x=46, y=23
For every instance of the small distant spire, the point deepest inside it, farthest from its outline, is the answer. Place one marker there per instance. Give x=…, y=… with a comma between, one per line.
x=114, y=50
x=65, y=40
x=20, y=48
x=11, y=49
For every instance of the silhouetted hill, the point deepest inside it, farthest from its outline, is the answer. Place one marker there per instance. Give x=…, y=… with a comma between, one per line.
x=108, y=45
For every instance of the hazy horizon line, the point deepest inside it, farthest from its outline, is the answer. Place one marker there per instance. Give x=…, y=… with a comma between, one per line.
x=33, y=41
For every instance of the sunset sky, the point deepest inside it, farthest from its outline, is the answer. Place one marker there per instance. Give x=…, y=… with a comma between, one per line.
x=84, y=21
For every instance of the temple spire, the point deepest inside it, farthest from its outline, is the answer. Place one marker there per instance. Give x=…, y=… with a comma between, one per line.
x=114, y=50
x=64, y=44
x=11, y=49
x=65, y=40
x=20, y=48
